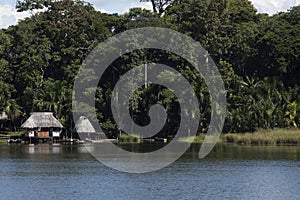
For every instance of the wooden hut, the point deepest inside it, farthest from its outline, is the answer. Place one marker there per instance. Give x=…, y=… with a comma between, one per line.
x=84, y=128
x=83, y=125
x=42, y=126
x=86, y=131
x=3, y=119
x=3, y=116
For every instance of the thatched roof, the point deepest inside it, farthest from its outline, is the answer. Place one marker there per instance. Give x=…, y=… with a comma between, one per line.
x=3, y=115
x=42, y=120
x=83, y=125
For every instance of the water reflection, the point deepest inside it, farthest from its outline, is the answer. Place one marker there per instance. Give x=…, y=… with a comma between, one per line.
x=44, y=149
x=220, y=152
x=229, y=172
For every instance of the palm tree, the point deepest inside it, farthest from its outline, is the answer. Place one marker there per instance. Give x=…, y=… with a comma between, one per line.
x=13, y=111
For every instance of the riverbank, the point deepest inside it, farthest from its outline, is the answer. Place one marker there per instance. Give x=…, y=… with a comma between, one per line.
x=261, y=137
x=4, y=137
x=266, y=137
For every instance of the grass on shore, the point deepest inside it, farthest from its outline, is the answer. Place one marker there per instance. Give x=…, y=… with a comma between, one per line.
x=261, y=137
x=4, y=136
x=266, y=137
x=192, y=139
x=200, y=138
x=14, y=133
x=125, y=139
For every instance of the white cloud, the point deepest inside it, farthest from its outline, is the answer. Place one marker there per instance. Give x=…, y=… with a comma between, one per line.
x=274, y=6
x=146, y=5
x=102, y=10
x=9, y=15
x=263, y=6
x=118, y=6
x=122, y=7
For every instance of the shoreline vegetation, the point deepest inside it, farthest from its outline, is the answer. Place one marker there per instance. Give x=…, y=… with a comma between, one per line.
x=278, y=137
x=257, y=55
x=266, y=137
x=275, y=137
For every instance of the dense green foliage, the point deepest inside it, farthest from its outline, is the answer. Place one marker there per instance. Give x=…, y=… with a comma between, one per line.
x=258, y=56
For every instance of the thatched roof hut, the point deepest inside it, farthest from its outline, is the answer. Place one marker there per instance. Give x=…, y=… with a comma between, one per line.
x=3, y=116
x=41, y=120
x=83, y=125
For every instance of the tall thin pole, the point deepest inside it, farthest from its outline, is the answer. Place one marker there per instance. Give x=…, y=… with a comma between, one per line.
x=146, y=75
x=206, y=57
x=71, y=132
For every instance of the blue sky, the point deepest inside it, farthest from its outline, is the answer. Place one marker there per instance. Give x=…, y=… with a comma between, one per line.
x=9, y=16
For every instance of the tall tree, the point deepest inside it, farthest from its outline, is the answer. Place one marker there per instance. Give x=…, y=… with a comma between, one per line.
x=48, y=50
x=160, y=6
x=245, y=28
x=279, y=47
x=6, y=75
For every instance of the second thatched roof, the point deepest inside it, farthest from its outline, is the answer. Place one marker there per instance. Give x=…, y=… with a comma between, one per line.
x=83, y=125
x=42, y=120
x=3, y=116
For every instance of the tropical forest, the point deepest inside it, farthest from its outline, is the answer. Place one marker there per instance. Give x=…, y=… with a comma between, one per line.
x=258, y=57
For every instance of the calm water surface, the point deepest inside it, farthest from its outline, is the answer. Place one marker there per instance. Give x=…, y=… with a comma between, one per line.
x=229, y=172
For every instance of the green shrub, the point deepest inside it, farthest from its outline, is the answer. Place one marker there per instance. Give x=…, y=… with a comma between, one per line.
x=266, y=137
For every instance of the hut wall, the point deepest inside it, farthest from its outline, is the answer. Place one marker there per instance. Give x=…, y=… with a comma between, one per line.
x=56, y=133
x=31, y=133
x=43, y=134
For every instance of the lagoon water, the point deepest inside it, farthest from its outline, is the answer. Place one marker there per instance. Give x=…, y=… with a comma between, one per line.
x=229, y=172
